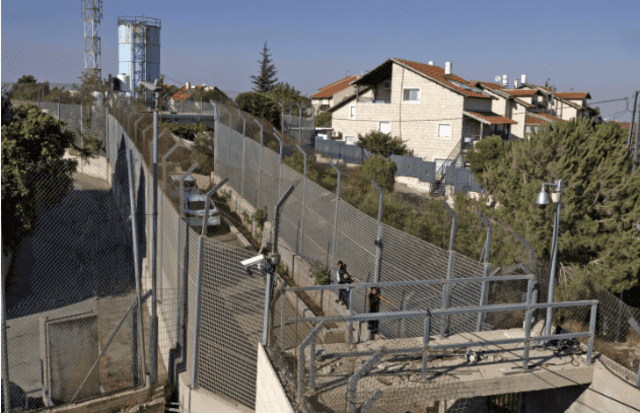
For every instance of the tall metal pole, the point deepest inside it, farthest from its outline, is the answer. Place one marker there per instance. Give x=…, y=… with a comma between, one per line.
x=260, y=163
x=244, y=130
x=228, y=141
x=5, y=353
x=376, y=271
x=281, y=117
x=136, y=259
x=299, y=122
x=335, y=220
x=633, y=119
x=153, y=330
x=485, y=272
x=444, y=326
x=304, y=190
x=635, y=152
x=554, y=259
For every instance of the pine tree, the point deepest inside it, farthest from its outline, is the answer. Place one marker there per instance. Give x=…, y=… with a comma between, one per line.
x=267, y=78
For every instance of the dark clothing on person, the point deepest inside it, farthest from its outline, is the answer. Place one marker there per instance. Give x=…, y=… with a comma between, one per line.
x=344, y=293
x=374, y=307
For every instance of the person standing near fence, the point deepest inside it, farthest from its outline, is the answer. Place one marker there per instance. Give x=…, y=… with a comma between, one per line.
x=373, y=306
x=343, y=277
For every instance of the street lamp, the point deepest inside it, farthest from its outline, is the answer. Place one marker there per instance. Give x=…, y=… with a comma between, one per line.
x=153, y=328
x=543, y=200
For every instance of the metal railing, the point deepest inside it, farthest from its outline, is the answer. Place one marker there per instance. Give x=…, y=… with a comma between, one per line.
x=374, y=99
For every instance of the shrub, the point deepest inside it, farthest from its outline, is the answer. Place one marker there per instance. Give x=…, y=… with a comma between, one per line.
x=260, y=217
x=486, y=153
x=382, y=144
x=260, y=106
x=323, y=120
x=381, y=170
x=322, y=276
x=296, y=162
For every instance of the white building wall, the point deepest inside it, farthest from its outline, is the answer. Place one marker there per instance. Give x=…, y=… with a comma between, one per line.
x=270, y=395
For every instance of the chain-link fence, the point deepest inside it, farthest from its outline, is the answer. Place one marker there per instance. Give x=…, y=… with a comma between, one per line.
x=211, y=307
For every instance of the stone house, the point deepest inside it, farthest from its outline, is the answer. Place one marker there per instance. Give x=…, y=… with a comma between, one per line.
x=436, y=113
x=332, y=94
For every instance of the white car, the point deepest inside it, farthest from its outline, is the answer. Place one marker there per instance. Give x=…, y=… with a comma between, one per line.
x=194, y=209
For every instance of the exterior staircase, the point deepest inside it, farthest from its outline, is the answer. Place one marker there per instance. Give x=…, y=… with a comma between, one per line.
x=457, y=157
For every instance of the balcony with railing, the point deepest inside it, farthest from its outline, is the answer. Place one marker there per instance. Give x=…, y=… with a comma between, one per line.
x=374, y=99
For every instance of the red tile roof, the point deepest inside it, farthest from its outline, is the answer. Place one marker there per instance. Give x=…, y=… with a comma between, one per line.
x=535, y=119
x=330, y=90
x=487, y=84
x=491, y=117
x=529, y=105
x=627, y=125
x=571, y=95
x=437, y=73
x=522, y=92
x=184, y=94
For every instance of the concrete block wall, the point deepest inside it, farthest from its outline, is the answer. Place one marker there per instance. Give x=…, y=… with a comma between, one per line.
x=270, y=395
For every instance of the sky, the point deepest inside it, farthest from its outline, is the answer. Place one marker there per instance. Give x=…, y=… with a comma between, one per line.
x=588, y=45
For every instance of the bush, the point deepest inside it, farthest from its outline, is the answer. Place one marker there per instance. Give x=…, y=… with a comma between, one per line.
x=381, y=170
x=323, y=120
x=486, y=153
x=185, y=131
x=382, y=144
x=260, y=106
x=260, y=217
x=296, y=162
x=203, y=153
x=322, y=276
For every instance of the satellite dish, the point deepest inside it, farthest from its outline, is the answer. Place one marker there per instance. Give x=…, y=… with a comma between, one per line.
x=497, y=78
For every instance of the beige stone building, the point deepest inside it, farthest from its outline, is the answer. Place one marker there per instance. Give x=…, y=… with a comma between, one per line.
x=431, y=109
x=333, y=94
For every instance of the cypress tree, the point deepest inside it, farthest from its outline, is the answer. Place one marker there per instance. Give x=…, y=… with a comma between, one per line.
x=267, y=78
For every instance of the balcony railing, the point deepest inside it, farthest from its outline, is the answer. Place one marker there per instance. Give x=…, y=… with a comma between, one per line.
x=374, y=100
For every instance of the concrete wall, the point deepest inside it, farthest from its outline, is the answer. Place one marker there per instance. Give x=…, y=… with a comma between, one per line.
x=270, y=395
x=611, y=391
x=519, y=114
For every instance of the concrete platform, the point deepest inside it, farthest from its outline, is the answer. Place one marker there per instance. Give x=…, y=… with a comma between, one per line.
x=450, y=376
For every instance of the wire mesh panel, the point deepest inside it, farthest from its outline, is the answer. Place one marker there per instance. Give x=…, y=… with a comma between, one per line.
x=232, y=302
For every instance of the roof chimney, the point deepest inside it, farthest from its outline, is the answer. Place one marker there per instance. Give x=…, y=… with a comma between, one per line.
x=515, y=83
x=447, y=68
x=430, y=62
x=187, y=85
x=523, y=79
x=505, y=80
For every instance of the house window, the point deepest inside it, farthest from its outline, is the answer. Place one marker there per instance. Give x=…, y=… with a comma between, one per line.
x=350, y=140
x=325, y=101
x=385, y=127
x=411, y=95
x=387, y=85
x=444, y=130
x=535, y=129
x=352, y=112
x=527, y=129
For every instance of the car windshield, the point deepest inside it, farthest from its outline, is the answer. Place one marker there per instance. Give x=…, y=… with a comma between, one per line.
x=189, y=184
x=197, y=205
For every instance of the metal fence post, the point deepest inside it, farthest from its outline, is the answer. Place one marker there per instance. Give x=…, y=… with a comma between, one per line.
x=136, y=258
x=527, y=336
x=485, y=273
x=178, y=281
x=5, y=354
x=351, y=313
x=260, y=163
x=304, y=187
x=444, y=326
x=635, y=326
x=244, y=136
x=376, y=273
x=59, y=101
x=592, y=330
x=425, y=343
x=283, y=317
x=228, y=141
x=352, y=387
x=335, y=220
x=301, y=348
x=280, y=154
x=299, y=122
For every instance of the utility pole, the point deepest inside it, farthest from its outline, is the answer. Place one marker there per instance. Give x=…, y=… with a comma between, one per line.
x=153, y=325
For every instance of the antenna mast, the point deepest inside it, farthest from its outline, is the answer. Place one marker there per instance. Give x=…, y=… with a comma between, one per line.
x=92, y=15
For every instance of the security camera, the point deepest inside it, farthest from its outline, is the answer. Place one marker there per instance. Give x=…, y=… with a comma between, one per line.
x=257, y=260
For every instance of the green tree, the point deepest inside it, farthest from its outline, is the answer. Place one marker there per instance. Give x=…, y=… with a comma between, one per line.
x=296, y=162
x=358, y=184
x=324, y=119
x=260, y=106
x=186, y=131
x=286, y=95
x=34, y=172
x=486, y=153
x=203, y=152
x=265, y=81
x=382, y=144
x=600, y=200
